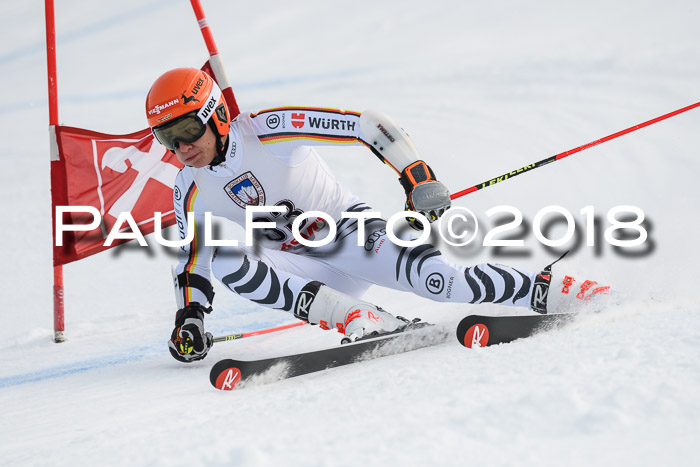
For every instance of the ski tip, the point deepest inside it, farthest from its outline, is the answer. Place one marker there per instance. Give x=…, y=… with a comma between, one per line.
x=226, y=378
x=472, y=334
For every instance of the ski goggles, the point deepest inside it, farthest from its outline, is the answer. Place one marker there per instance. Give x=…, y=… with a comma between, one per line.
x=185, y=129
x=191, y=126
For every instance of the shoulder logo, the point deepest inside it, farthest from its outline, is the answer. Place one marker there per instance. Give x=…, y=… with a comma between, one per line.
x=298, y=120
x=272, y=121
x=246, y=190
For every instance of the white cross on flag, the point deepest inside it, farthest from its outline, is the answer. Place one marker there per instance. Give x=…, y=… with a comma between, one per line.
x=112, y=173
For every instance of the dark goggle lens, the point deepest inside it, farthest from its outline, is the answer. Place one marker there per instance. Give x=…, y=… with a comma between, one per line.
x=186, y=129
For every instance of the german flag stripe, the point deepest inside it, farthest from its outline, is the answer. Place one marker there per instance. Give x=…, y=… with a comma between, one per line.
x=395, y=169
x=307, y=109
x=369, y=146
x=189, y=201
x=285, y=137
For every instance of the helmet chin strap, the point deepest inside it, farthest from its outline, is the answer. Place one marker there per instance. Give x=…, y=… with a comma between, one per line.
x=221, y=147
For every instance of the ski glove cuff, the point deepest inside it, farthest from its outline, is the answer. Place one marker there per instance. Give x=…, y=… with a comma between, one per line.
x=424, y=194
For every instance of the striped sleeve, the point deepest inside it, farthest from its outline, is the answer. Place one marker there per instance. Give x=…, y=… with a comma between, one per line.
x=283, y=128
x=194, y=267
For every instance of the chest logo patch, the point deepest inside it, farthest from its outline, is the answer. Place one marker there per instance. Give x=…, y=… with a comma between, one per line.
x=246, y=190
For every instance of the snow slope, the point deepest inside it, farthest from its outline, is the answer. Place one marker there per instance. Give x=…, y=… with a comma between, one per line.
x=483, y=88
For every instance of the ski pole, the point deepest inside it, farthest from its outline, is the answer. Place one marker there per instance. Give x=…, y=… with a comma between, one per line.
x=564, y=154
x=231, y=337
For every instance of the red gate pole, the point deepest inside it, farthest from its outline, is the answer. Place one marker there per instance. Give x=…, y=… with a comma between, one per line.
x=58, y=309
x=215, y=60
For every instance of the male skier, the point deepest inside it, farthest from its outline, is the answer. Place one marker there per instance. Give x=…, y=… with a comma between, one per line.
x=267, y=159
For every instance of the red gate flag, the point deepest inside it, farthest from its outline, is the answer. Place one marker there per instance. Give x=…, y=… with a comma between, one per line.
x=112, y=173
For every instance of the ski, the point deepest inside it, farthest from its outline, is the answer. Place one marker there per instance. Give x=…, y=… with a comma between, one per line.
x=481, y=331
x=229, y=373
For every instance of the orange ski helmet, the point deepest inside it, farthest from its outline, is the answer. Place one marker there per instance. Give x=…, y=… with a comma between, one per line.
x=181, y=102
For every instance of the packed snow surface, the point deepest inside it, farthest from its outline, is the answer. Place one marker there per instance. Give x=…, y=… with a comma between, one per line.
x=483, y=88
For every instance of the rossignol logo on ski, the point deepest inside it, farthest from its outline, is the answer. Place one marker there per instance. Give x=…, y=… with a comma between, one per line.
x=229, y=374
x=476, y=336
x=481, y=331
x=228, y=379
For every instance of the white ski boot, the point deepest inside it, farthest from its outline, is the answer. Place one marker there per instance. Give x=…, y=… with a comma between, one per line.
x=567, y=295
x=570, y=295
x=331, y=309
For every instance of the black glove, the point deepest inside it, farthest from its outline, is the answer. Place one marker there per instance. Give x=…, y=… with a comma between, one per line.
x=188, y=341
x=424, y=194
